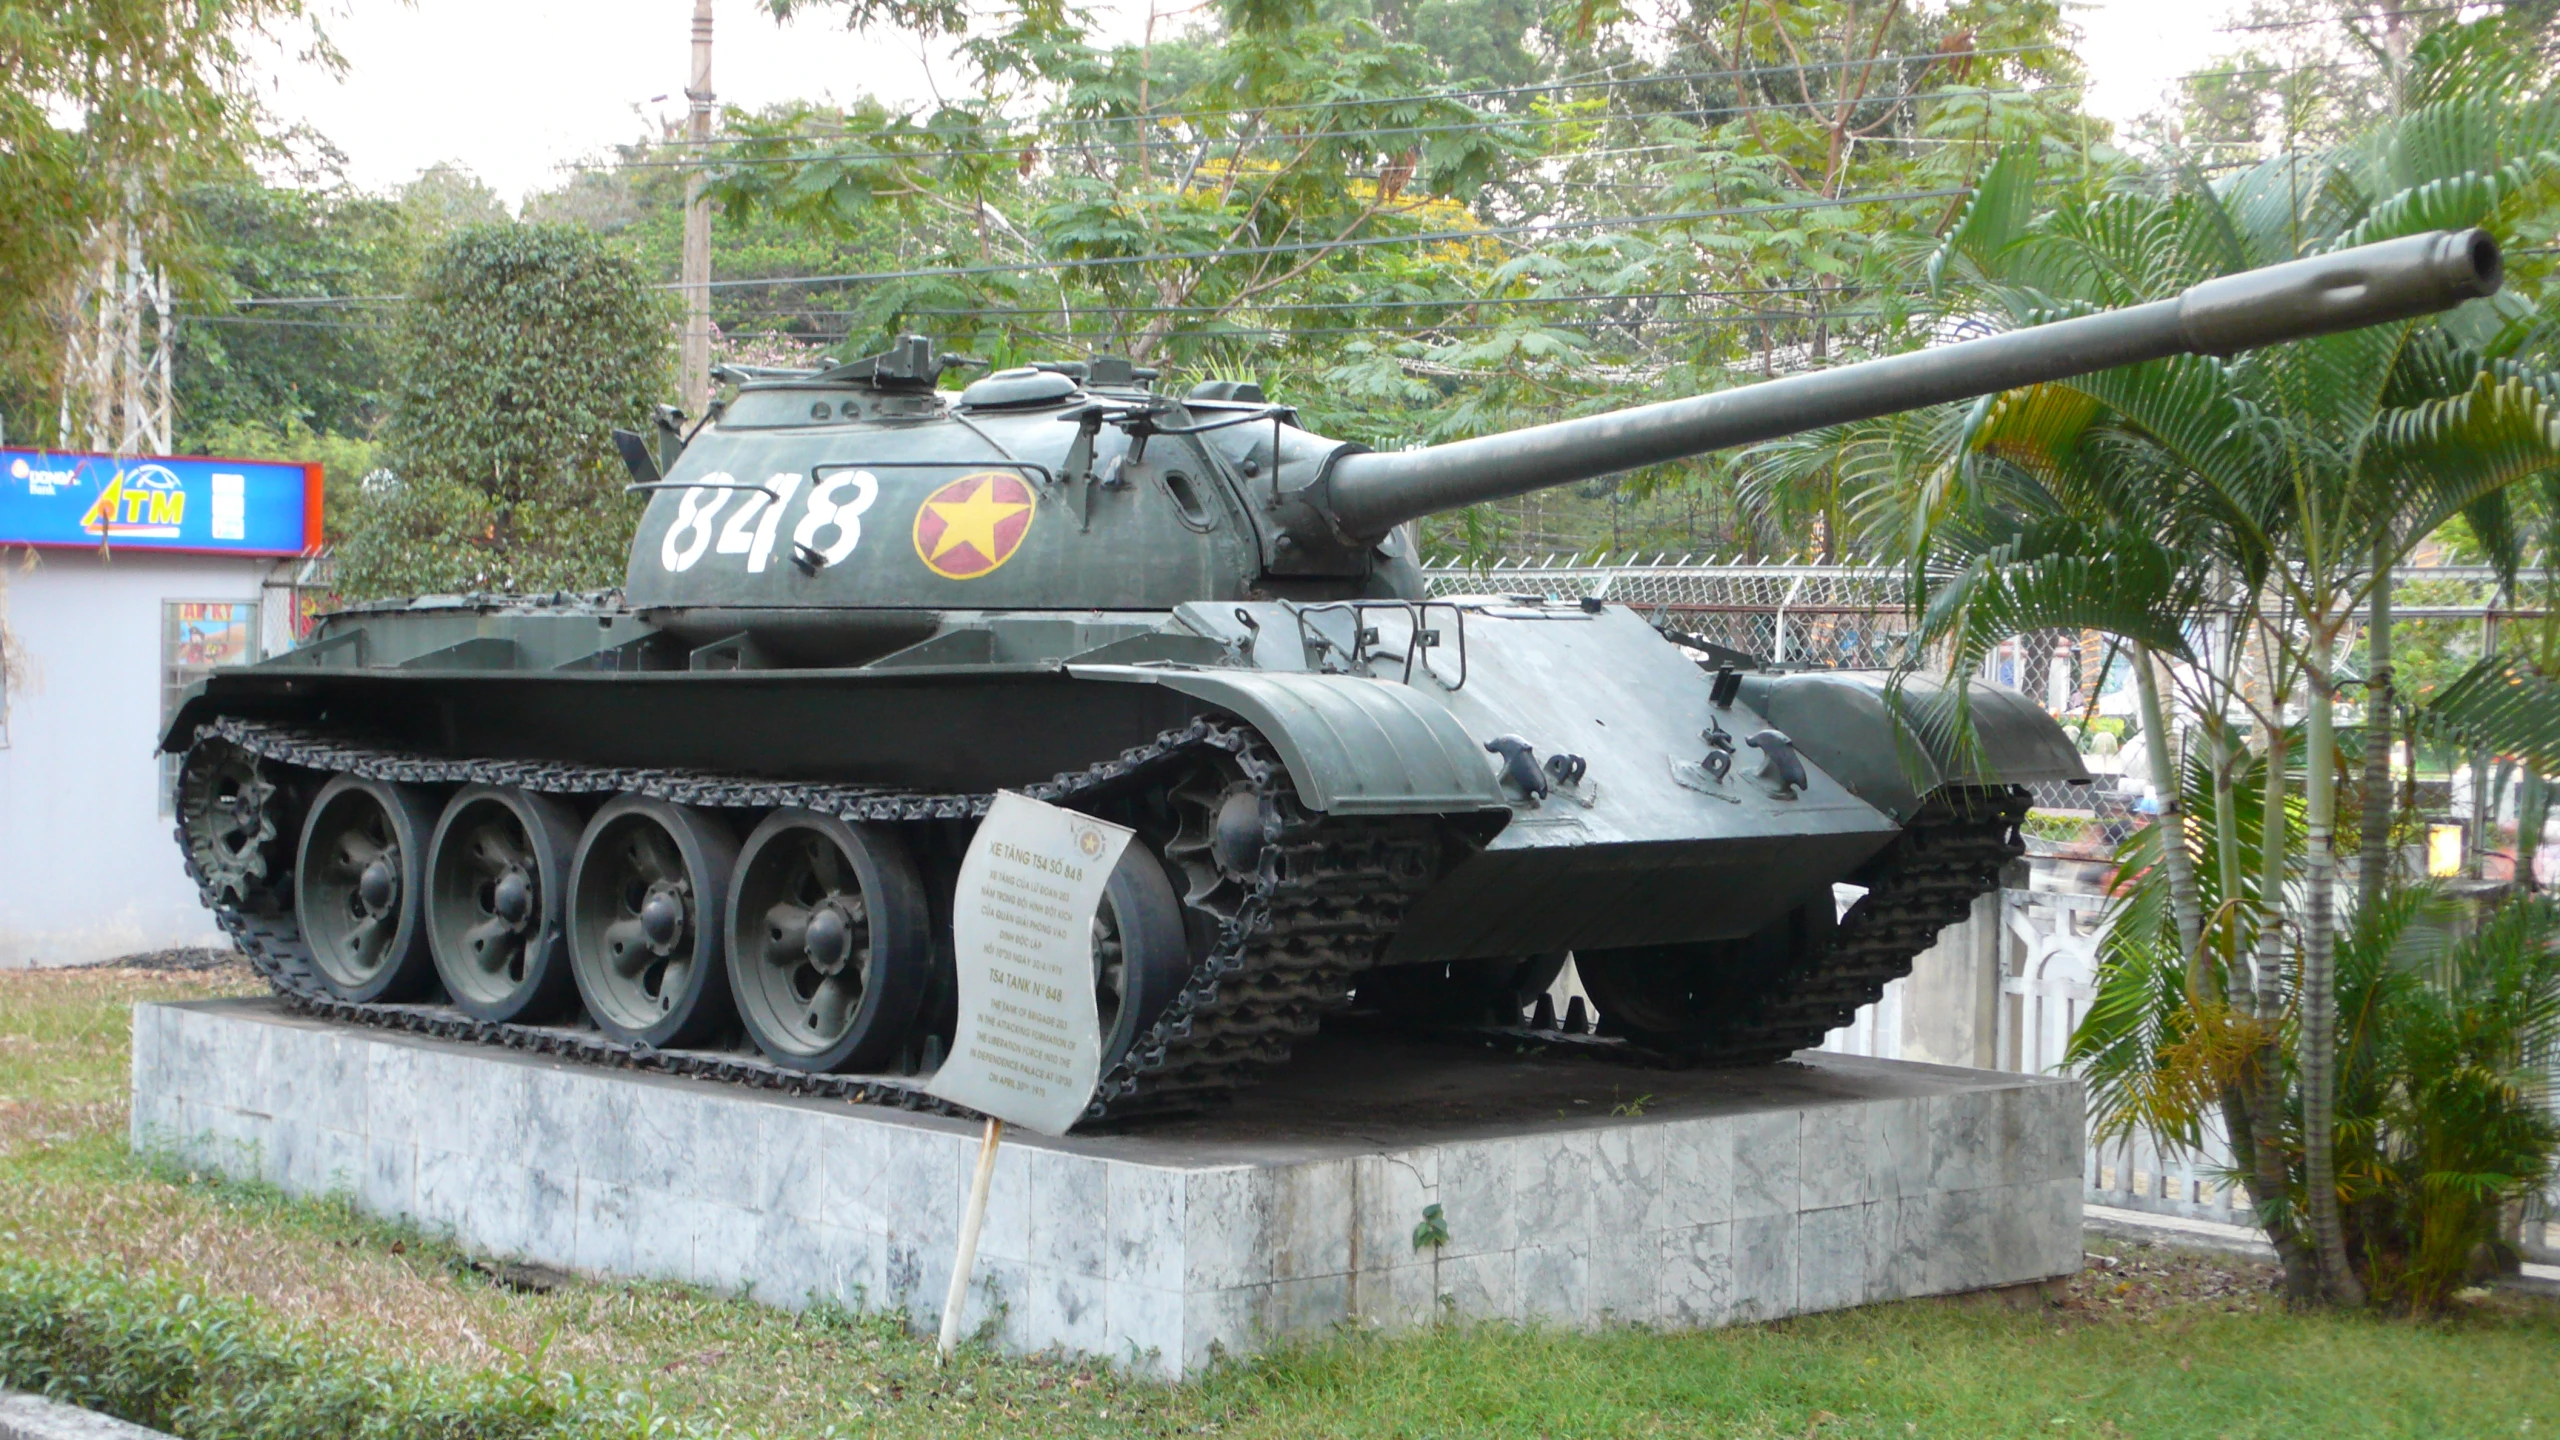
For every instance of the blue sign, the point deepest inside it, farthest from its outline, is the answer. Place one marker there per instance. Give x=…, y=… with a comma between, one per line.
x=151, y=502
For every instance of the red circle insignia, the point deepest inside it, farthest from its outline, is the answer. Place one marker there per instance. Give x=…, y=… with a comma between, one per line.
x=974, y=524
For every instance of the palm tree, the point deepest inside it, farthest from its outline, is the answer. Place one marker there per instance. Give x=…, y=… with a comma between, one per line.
x=2234, y=516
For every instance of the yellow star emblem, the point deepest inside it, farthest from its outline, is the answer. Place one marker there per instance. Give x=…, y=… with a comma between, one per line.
x=973, y=521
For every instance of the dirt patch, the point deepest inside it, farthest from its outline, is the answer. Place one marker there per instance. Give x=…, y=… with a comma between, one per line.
x=2143, y=1280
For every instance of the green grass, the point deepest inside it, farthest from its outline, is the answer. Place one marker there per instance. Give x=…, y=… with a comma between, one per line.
x=324, y=1306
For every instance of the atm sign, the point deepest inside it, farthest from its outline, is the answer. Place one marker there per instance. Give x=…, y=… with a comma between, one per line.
x=223, y=507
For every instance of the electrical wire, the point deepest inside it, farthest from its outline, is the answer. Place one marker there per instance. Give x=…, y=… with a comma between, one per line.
x=1294, y=247
x=1071, y=334
x=1523, y=122
x=1015, y=148
x=1373, y=303
x=2375, y=15
x=1073, y=337
x=1676, y=77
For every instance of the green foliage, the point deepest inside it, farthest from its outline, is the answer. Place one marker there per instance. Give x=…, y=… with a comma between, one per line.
x=205, y=1367
x=2309, y=74
x=344, y=460
x=2444, y=1105
x=525, y=347
x=111, y=107
x=1433, y=1230
x=2144, y=1048
x=324, y=366
x=1244, y=198
x=445, y=200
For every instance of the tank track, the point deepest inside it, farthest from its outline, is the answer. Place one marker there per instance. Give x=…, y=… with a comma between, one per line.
x=1327, y=896
x=1952, y=852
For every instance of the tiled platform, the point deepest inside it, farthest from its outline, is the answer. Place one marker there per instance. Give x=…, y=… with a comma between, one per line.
x=1574, y=1192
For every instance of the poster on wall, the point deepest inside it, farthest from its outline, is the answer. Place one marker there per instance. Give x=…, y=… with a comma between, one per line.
x=65, y=499
x=195, y=637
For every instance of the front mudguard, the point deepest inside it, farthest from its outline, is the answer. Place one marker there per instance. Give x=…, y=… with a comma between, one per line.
x=1353, y=746
x=1890, y=744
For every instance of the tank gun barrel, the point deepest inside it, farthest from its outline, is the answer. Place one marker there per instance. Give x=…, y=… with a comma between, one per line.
x=2368, y=285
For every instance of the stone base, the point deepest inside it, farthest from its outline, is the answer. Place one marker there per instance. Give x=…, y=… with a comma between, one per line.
x=1574, y=1192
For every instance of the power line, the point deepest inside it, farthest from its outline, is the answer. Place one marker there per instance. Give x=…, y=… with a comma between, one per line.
x=1674, y=77
x=1070, y=337
x=262, y=321
x=1293, y=247
x=2375, y=15
x=1372, y=303
x=1072, y=333
x=1015, y=148
x=1521, y=122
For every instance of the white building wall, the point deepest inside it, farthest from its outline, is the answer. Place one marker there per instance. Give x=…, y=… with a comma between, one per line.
x=87, y=866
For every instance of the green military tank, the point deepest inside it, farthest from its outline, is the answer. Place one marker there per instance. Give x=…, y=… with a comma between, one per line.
x=711, y=822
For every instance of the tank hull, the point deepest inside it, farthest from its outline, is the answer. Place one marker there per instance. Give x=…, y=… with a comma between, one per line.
x=1374, y=708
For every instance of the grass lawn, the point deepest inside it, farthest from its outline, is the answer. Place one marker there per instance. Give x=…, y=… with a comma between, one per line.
x=2159, y=1343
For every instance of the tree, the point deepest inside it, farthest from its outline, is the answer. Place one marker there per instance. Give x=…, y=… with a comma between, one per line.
x=314, y=352
x=524, y=347
x=446, y=199
x=2231, y=516
x=113, y=108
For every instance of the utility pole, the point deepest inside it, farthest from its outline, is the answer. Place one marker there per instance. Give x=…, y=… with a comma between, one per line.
x=117, y=346
x=694, y=381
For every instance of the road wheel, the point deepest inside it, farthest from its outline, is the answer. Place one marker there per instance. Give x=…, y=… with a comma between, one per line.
x=646, y=895
x=497, y=873
x=360, y=869
x=1681, y=995
x=830, y=941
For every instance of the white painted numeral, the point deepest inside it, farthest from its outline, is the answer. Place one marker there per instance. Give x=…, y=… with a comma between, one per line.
x=762, y=512
x=690, y=535
x=845, y=516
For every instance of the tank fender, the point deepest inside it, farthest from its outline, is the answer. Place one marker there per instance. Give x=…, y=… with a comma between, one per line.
x=1891, y=747
x=1354, y=746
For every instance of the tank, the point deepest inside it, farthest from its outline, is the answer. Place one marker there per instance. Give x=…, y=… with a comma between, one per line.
x=711, y=822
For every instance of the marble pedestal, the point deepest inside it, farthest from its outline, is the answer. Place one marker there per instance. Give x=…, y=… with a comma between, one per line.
x=1573, y=1192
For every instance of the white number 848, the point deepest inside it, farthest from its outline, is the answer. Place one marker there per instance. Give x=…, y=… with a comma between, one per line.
x=750, y=531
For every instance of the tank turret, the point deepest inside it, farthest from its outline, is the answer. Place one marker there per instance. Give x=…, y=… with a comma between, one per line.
x=713, y=823
x=1053, y=478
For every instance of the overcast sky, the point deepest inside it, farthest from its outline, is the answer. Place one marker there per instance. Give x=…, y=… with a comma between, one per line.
x=517, y=89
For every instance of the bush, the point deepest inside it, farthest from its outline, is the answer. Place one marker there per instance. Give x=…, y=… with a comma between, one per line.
x=161, y=1355
x=526, y=347
x=2444, y=1105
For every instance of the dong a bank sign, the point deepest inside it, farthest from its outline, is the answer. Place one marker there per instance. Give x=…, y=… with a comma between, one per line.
x=149, y=502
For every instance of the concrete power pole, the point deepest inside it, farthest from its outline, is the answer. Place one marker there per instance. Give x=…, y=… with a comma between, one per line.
x=694, y=383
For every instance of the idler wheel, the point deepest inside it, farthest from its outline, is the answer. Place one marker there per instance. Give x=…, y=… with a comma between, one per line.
x=647, y=893
x=1141, y=953
x=361, y=865
x=497, y=872
x=830, y=942
x=1687, y=994
x=236, y=818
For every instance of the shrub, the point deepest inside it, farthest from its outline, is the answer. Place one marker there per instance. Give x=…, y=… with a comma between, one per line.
x=526, y=347
x=2444, y=1106
x=161, y=1355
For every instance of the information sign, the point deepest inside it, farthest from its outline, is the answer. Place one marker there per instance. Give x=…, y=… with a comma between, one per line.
x=66, y=498
x=1029, y=1045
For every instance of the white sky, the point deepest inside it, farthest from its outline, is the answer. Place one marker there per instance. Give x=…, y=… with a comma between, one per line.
x=516, y=89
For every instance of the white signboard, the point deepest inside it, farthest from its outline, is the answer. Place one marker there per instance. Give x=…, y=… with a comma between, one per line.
x=1029, y=1046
